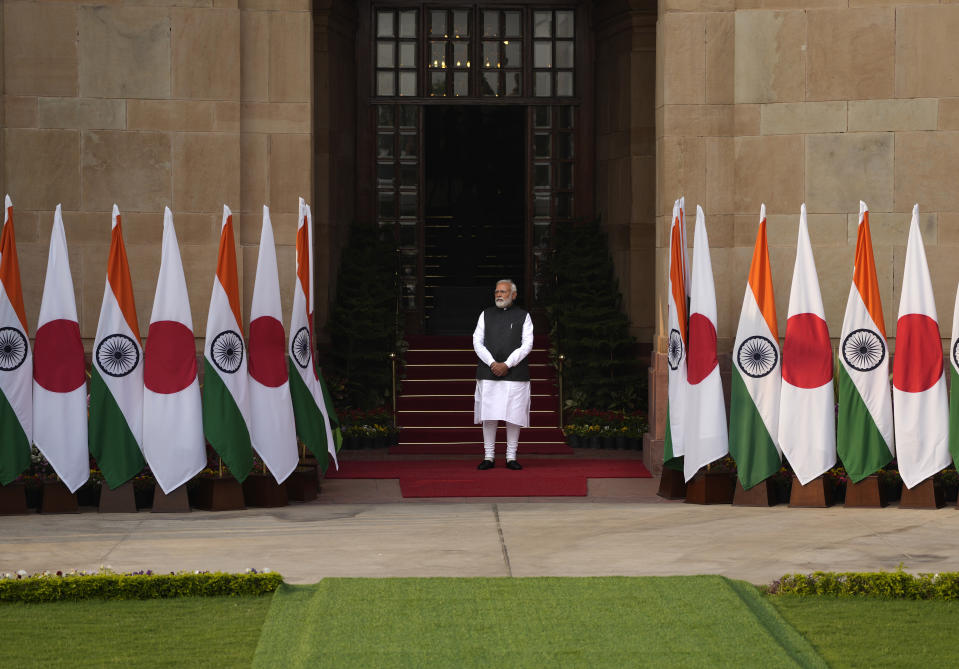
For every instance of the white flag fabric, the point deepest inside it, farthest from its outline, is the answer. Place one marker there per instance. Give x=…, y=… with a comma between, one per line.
x=676, y=346
x=173, y=442
x=59, y=370
x=807, y=409
x=706, y=435
x=274, y=428
x=921, y=406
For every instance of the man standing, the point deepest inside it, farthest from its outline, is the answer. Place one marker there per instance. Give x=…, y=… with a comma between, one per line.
x=502, y=340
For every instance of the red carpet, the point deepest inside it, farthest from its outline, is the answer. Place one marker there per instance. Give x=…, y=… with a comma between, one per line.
x=459, y=478
x=476, y=449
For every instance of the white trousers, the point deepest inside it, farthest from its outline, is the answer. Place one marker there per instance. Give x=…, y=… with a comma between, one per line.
x=489, y=439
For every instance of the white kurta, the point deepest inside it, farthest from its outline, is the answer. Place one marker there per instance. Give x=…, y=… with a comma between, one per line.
x=502, y=400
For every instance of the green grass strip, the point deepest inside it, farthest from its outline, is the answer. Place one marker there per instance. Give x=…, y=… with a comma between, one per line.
x=870, y=632
x=187, y=632
x=697, y=621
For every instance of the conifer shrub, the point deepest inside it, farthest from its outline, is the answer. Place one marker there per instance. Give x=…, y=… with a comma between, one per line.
x=588, y=324
x=363, y=324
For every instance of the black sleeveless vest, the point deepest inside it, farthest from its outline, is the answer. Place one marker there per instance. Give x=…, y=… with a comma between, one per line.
x=503, y=334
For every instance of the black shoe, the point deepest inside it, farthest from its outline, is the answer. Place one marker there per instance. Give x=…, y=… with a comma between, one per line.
x=512, y=464
x=487, y=464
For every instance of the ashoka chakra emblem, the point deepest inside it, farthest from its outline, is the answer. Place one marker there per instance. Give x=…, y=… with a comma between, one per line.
x=227, y=351
x=13, y=349
x=955, y=354
x=757, y=356
x=674, y=349
x=863, y=350
x=300, y=349
x=117, y=355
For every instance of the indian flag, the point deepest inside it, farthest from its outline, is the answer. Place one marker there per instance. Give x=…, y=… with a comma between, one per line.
x=807, y=413
x=226, y=389
x=865, y=439
x=676, y=344
x=954, y=374
x=273, y=424
x=757, y=374
x=60, y=370
x=706, y=436
x=116, y=377
x=919, y=381
x=312, y=407
x=173, y=443
x=16, y=361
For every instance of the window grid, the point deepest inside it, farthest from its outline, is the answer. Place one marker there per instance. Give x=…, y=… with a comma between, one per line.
x=553, y=53
x=553, y=153
x=502, y=53
x=397, y=188
x=395, y=57
x=448, y=56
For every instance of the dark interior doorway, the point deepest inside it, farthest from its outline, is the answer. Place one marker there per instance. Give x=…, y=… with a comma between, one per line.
x=475, y=210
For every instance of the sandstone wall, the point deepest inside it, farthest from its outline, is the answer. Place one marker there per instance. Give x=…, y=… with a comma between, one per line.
x=180, y=103
x=818, y=101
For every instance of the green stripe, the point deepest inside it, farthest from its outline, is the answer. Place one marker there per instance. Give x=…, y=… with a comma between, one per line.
x=310, y=427
x=670, y=461
x=750, y=443
x=14, y=447
x=112, y=443
x=859, y=442
x=331, y=412
x=954, y=416
x=224, y=426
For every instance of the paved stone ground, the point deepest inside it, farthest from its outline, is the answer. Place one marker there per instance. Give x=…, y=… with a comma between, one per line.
x=622, y=528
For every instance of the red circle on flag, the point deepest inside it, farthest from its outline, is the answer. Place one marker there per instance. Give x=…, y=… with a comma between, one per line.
x=267, y=363
x=917, y=365
x=58, y=363
x=169, y=359
x=701, y=359
x=807, y=353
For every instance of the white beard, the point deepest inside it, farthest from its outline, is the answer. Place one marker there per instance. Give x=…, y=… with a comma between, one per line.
x=502, y=302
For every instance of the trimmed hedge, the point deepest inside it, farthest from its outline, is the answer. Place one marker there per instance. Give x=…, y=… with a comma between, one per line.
x=74, y=587
x=893, y=585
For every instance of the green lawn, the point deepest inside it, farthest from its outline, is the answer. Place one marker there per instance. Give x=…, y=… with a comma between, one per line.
x=701, y=621
x=876, y=632
x=188, y=632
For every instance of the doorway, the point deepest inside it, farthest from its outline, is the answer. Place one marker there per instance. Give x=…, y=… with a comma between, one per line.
x=474, y=210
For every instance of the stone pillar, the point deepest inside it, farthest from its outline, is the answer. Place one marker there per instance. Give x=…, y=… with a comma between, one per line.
x=625, y=38
x=334, y=129
x=654, y=439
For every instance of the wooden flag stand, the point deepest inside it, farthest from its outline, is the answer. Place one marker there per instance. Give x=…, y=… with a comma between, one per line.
x=760, y=494
x=263, y=490
x=867, y=494
x=926, y=495
x=117, y=500
x=671, y=484
x=817, y=494
x=303, y=485
x=176, y=502
x=13, y=499
x=710, y=488
x=58, y=499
